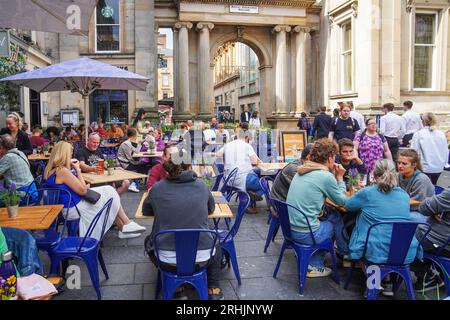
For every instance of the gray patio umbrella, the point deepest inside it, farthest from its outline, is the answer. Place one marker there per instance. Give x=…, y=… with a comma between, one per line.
x=60, y=16
x=81, y=75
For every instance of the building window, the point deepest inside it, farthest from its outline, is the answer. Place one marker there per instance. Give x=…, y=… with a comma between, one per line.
x=108, y=26
x=252, y=88
x=165, y=80
x=109, y=104
x=425, y=50
x=162, y=63
x=346, y=57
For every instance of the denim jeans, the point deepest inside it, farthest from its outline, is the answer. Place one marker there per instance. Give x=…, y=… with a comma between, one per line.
x=23, y=246
x=329, y=228
x=418, y=217
x=252, y=183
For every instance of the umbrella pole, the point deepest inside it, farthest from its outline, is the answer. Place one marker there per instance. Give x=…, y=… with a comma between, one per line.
x=86, y=116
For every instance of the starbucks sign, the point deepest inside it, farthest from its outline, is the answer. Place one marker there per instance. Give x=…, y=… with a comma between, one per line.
x=107, y=12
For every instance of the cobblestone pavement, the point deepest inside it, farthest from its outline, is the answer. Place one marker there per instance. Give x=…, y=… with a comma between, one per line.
x=133, y=276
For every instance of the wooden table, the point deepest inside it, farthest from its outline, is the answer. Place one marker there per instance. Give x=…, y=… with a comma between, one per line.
x=272, y=166
x=157, y=154
x=200, y=170
x=31, y=218
x=119, y=175
x=412, y=202
x=109, y=145
x=38, y=157
x=222, y=210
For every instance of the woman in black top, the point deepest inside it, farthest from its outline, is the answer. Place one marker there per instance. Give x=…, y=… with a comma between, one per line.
x=13, y=126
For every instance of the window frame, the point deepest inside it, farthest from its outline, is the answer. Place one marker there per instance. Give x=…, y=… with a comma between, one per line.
x=434, y=70
x=120, y=31
x=342, y=56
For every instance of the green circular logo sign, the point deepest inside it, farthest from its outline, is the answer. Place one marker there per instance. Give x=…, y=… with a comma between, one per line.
x=107, y=12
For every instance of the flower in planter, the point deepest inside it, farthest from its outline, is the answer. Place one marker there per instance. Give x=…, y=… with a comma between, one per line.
x=8, y=288
x=353, y=178
x=10, y=196
x=208, y=179
x=111, y=161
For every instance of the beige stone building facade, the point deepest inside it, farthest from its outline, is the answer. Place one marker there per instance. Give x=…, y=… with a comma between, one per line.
x=236, y=77
x=165, y=69
x=310, y=53
x=378, y=51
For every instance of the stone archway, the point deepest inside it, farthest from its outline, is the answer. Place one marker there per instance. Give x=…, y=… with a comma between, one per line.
x=245, y=36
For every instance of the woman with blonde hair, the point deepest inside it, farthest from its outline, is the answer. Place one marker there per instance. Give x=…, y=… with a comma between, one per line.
x=383, y=201
x=58, y=174
x=431, y=144
x=13, y=128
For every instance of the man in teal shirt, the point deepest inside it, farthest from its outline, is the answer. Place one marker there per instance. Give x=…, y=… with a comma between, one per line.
x=317, y=180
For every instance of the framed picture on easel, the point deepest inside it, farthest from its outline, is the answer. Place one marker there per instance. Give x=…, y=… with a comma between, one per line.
x=292, y=144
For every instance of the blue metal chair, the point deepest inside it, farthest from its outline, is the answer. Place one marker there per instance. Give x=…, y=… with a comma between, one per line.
x=85, y=248
x=226, y=237
x=438, y=190
x=46, y=240
x=227, y=188
x=274, y=222
x=442, y=262
x=303, y=252
x=402, y=235
x=216, y=186
x=187, y=270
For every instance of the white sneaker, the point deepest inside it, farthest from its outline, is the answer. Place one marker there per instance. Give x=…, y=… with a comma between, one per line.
x=314, y=272
x=133, y=227
x=133, y=188
x=128, y=235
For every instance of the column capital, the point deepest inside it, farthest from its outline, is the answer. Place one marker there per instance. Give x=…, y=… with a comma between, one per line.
x=183, y=24
x=301, y=29
x=204, y=25
x=281, y=28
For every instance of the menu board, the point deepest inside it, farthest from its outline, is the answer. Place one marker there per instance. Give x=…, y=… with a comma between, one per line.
x=292, y=144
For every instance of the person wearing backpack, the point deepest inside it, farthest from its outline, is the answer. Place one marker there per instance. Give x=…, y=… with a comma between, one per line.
x=371, y=145
x=304, y=123
x=343, y=126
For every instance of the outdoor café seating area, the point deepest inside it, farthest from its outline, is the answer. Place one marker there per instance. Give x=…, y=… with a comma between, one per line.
x=259, y=257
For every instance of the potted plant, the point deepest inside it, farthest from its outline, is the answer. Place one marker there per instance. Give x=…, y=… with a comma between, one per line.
x=45, y=149
x=152, y=147
x=111, y=162
x=353, y=180
x=11, y=199
x=208, y=179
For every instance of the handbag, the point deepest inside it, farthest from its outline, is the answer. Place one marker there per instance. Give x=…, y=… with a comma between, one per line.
x=91, y=196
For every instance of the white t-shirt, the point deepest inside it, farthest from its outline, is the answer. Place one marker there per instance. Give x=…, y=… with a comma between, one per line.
x=209, y=134
x=432, y=148
x=360, y=118
x=237, y=154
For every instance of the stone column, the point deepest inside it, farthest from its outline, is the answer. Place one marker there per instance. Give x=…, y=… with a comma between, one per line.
x=176, y=64
x=145, y=52
x=301, y=35
x=205, y=85
x=183, y=66
x=281, y=71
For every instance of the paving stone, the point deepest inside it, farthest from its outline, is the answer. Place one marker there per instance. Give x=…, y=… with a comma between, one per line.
x=131, y=254
x=246, y=234
x=121, y=292
x=145, y=273
x=119, y=274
